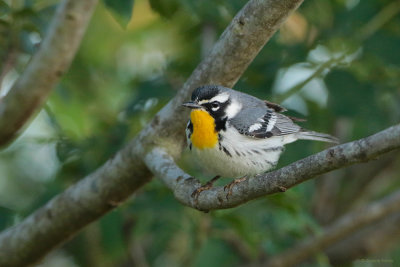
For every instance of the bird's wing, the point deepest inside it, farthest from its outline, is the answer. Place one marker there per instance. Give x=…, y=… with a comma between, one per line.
x=279, y=108
x=274, y=106
x=263, y=123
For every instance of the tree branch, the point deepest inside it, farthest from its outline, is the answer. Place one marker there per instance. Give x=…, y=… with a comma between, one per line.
x=383, y=16
x=46, y=67
x=65, y=214
x=120, y=176
x=108, y=186
x=347, y=224
x=182, y=184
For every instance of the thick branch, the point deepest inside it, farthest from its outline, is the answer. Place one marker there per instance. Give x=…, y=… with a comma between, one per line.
x=344, y=226
x=70, y=211
x=96, y=194
x=161, y=164
x=46, y=67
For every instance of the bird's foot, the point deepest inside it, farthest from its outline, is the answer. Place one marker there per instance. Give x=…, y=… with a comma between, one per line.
x=206, y=186
x=229, y=186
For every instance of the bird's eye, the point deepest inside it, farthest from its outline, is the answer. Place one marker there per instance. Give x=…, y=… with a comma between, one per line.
x=215, y=105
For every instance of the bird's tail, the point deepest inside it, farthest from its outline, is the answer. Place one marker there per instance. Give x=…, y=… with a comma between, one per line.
x=311, y=135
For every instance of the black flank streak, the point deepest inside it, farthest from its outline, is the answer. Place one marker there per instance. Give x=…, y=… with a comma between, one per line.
x=237, y=153
x=226, y=151
x=257, y=151
x=271, y=149
x=269, y=162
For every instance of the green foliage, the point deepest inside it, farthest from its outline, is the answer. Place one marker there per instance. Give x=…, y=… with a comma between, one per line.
x=4, y=7
x=165, y=8
x=121, y=78
x=122, y=10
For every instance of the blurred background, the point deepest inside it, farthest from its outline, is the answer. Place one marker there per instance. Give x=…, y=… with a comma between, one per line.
x=335, y=62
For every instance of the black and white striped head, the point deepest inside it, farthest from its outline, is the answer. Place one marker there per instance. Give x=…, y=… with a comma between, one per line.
x=217, y=100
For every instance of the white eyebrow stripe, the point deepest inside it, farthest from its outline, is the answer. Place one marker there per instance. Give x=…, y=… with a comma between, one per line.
x=222, y=98
x=203, y=101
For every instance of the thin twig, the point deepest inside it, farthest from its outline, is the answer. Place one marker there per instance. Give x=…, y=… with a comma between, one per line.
x=380, y=19
x=318, y=72
x=8, y=64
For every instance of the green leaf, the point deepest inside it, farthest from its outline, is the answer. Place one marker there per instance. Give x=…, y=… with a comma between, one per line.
x=4, y=8
x=165, y=8
x=4, y=23
x=121, y=10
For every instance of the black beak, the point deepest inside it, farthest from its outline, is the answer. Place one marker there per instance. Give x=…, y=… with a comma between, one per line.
x=192, y=105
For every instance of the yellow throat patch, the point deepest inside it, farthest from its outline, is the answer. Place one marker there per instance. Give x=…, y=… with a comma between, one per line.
x=204, y=134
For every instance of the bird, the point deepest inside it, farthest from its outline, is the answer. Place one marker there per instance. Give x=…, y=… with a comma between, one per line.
x=236, y=135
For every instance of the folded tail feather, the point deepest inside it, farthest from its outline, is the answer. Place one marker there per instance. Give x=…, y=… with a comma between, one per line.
x=311, y=135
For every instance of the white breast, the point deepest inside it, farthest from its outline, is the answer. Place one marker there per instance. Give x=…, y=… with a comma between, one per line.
x=238, y=155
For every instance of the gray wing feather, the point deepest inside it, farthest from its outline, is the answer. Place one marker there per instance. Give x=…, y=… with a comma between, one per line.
x=262, y=122
x=284, y=125
x=259, y=119
x=247, y=117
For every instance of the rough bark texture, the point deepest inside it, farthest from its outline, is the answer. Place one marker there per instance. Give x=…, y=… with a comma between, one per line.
x=161, y=164
x=96, y=194
x=337, y=231
x=46, y=67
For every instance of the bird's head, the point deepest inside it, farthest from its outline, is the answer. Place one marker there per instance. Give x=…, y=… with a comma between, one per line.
x=216, y=100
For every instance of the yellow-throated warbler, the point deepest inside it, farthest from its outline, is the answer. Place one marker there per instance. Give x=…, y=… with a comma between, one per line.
x=237, y=135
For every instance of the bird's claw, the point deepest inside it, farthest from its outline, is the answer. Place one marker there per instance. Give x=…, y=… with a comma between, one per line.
x=229, y=186
x=207, y=186
x=196, y=193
